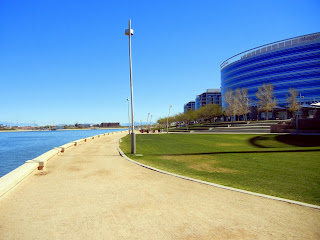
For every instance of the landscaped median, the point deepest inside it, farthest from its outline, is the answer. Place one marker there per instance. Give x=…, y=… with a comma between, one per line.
x=285, y=166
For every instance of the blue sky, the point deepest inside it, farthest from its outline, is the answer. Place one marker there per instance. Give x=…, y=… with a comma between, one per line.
x=65, y=61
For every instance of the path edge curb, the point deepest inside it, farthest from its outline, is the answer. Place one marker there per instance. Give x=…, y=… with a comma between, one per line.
x=218, y=185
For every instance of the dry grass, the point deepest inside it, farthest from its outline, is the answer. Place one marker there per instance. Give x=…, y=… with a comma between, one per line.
x=200, y=163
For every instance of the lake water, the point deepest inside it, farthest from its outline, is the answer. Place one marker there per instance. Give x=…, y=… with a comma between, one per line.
x=18, y=147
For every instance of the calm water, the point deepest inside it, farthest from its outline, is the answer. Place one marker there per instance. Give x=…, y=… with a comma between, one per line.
x=18, y=147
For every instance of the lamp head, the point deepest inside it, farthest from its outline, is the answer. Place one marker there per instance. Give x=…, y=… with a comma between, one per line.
x=127, y=32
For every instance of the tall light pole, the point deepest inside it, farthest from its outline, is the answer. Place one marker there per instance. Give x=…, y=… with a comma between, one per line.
x=128, y=115
x=297, y=117
x=147, y=121
x=150, y=123
x=129, y=32
x=168, y=119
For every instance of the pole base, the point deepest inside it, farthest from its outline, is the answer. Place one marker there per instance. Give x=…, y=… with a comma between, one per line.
x=133, y=142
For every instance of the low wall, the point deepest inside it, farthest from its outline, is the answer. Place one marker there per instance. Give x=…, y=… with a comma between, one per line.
x=304, y=125
x=14, y=177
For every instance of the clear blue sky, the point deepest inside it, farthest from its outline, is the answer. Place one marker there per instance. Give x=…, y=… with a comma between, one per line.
x=67, y=61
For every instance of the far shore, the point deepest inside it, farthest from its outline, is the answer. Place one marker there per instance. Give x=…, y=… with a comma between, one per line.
x=42, y=130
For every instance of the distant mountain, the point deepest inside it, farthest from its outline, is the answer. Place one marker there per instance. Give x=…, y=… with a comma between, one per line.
x=61, y=125
x=19, y=124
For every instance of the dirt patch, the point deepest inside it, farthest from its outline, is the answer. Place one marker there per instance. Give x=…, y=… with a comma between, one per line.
x=74, y=169
x=99, y=173
x=227, y=144
x=42, y=173
x=224, y=233
x=208, y=167
x=82, y=162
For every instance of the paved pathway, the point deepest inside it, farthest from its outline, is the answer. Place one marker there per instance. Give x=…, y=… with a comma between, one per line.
x=90, y=192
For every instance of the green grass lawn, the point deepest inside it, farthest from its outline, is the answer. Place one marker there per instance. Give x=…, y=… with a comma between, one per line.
x=285, y=166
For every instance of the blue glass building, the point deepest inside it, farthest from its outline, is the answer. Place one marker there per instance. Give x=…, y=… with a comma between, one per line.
x=293, y=62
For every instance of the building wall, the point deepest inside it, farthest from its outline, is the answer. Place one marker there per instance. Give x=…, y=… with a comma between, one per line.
x=288, y=63
x=211, y=96
x=110, y=125
x=189, y=106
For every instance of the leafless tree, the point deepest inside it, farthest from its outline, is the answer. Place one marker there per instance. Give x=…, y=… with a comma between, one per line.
x=242, y=102
x=292, y=100
x=266, y=99
x=238, y=102
x=229, y=99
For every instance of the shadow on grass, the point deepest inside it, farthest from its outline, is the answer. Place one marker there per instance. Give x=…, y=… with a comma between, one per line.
x=257, y=141
x=236, y=152
x=270, y=141
x=300, y=140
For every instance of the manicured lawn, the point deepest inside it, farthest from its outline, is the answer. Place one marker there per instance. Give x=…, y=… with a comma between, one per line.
x=285, y=166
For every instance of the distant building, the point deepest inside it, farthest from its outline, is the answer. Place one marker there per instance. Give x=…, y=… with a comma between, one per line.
x=190, y=106
x=110, y=125
x=26, y=128
x=211, y=96
x=84, y=125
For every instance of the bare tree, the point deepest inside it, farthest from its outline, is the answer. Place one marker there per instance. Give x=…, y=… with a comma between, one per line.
x=242, y=102
x=229, y=99
x=237, y=101
x=266, y=99
x=292, y=100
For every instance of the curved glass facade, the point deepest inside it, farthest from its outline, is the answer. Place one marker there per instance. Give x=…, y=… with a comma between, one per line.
x=289, y=63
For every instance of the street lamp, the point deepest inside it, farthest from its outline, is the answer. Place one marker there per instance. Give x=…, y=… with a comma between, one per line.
x=129, y=32
x=297, y=117
x=128, y=116
x=150, y=123
x=147, y=121
x=168, y=119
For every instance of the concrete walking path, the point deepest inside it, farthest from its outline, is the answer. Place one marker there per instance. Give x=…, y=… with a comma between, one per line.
x=90, y=192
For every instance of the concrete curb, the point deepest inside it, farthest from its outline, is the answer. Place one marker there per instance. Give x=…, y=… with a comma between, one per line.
x=14, y=177
x=220, y=186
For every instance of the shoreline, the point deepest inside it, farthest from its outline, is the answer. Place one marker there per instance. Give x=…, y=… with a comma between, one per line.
x=78, y=137
x=17, y=175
